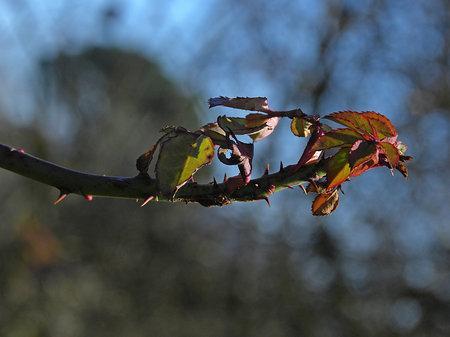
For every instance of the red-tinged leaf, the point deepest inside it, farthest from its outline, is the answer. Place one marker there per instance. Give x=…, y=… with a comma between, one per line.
x=243, y=103
x=301, y=127
x=363, y=156
x=338, y=168
x=309, y=155
x=241, y=155
x=381, y=124
x=337, y=138
x=325, y=203
x=352, y=119
x=256, y=120
x=391, y=152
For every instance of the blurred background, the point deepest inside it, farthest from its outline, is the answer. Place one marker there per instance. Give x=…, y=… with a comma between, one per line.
x=88, y=84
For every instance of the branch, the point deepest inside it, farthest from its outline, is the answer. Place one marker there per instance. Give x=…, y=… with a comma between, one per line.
x=143, y=187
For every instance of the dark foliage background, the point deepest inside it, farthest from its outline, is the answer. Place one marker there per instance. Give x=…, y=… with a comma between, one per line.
x=88, y=84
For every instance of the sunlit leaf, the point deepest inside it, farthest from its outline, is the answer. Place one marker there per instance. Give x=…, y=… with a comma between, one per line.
x=391, y=153
x=325, y=203
x=338, y=168
x=256, y=120
x=381, y=124
x=243, y=103
x=352, y=119
x=238, y=125
x=301, y=127
x=363, y=156
x=179, y=158
x=336, y=138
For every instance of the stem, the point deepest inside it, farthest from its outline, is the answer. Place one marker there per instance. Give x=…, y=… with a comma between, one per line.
x=142, y=186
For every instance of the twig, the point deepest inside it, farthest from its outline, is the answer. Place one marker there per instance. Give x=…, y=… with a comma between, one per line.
x=143, y=187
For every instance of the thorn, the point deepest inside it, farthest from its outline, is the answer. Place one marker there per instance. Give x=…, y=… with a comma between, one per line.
x=225, y=178
x=88, y=197
x=281, y=166
x=266, y=170
x=340, y=189
x=21, y=150
x=150, y=198
x=214, y=182
x=289, y=186
x=61, y=197
x=303, y=189
x=266, y=200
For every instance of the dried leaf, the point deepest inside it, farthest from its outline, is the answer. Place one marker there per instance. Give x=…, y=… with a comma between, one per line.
x=179, y=158
x=403, y=169
x=301, y=127
x=337, y=138
x=338, y=168
x=243, y=103
x=325, y=203
x=144, y=160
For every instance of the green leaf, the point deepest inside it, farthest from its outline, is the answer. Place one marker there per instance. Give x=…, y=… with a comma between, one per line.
x=179, y=158
x=215, y=132
x=325, y=203
x=337, y=138
x=243, y=103
x=338, y=168
x=301, y=127
x=391, y=152
x=238, y=125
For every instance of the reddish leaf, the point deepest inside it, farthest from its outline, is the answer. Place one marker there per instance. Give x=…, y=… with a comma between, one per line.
x=338, y=168
x=352, y=119
x=336, y=138
x=391, y=152
x=256, y=120
x=243, y=103
x=363, y=156
x=241, y=155
x=381, y=124
x=325, y=203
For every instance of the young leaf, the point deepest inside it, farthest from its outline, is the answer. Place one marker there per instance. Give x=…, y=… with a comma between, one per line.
x=179, y=158
x=381, y=124
x=243, y=103
x=352, y=119
x=325, y=203
x=337, y=138
x=363, y=156
x=338, y=168
x=391, y=152
x=301, y=127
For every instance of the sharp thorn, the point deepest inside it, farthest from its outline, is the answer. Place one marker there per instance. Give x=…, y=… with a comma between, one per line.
x=214, y=182
x=303, y=189
x=266, y=170
x=150, y=198
x=61, y=197
x=88, y=197
x=225, y=178
x=281, y=166
x=266, y=199
x=290, y=187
